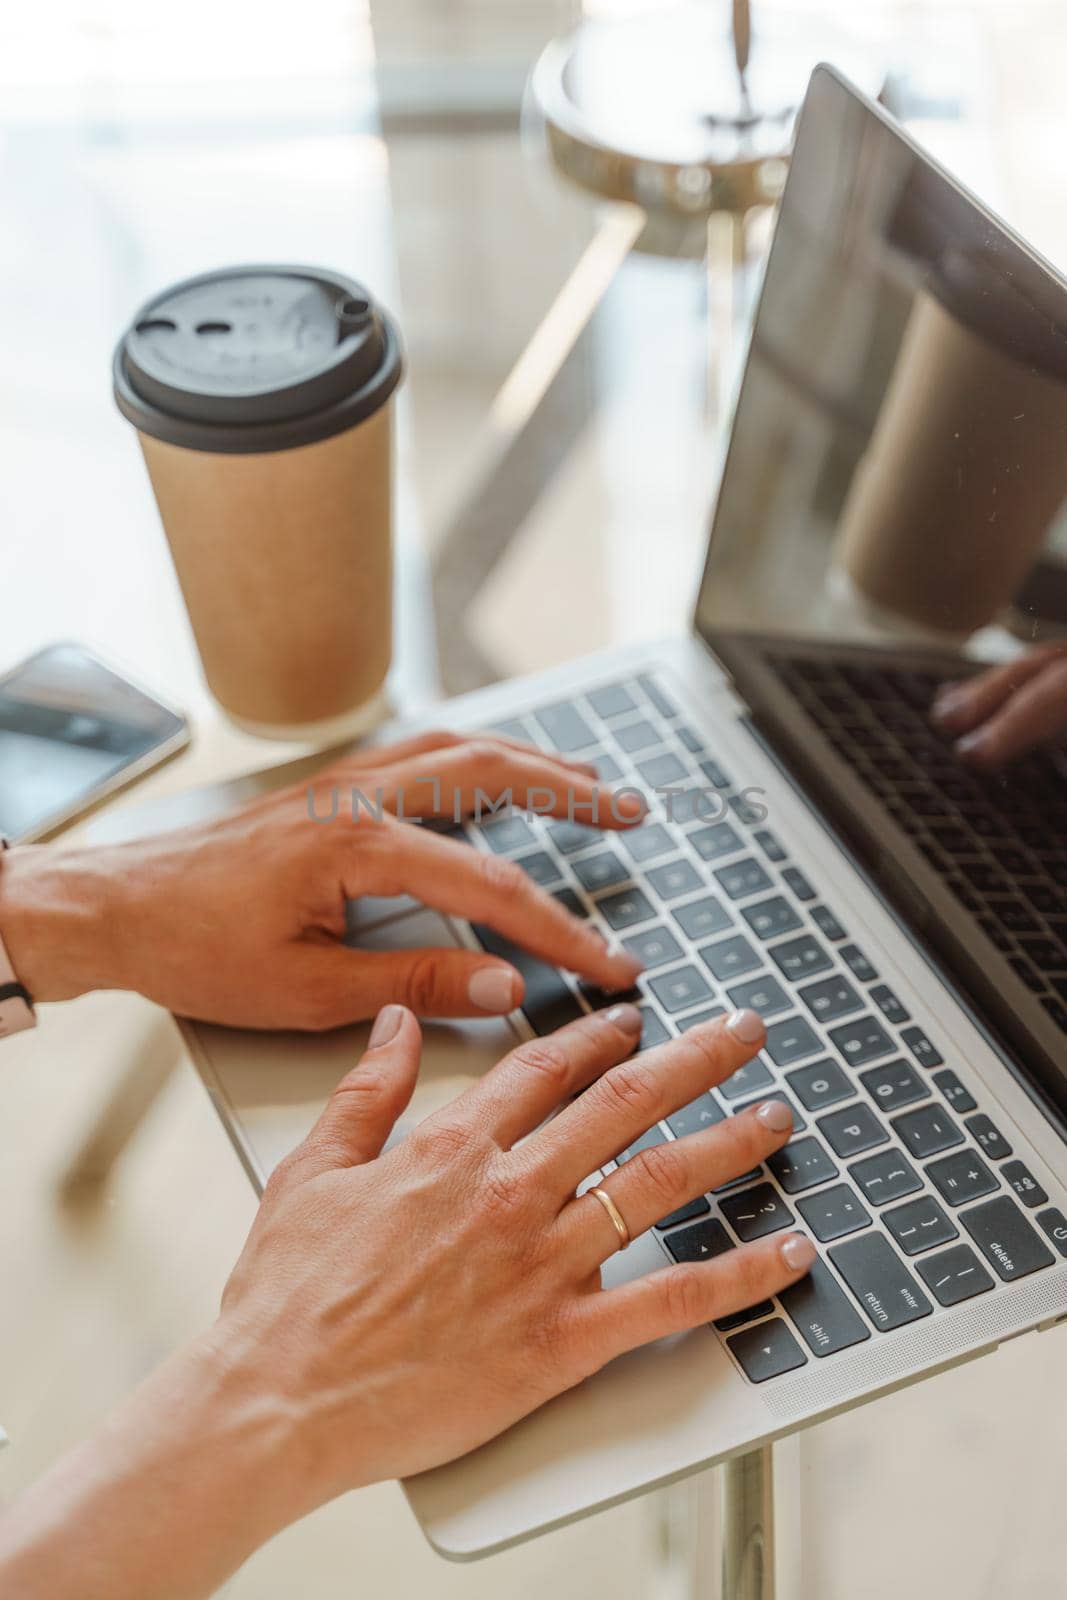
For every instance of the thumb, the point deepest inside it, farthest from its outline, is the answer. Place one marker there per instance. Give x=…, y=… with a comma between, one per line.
x=360, y=1114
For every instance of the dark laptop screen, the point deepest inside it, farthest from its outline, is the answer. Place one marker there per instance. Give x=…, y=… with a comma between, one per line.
x=893, y=517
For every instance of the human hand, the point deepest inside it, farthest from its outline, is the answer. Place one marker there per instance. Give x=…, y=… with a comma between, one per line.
x=1002, y=713
x=240, y=920
x=401, y=1309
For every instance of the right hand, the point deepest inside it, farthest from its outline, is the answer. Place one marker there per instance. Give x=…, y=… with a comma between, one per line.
x=404, y=1308
x=1002, y=713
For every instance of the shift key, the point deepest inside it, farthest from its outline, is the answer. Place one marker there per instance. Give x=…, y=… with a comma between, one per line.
x=884, y=1287
x=824, y=1316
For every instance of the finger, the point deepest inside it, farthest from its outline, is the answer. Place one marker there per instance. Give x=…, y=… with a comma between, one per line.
x=360, y=1114
x=395, y=859
x=659, y=1180
x=682, y=1297
x=1036, y=713
x=959, y=707
x=371, y=757
x=632, y=1097
x=477, y=778
x=536, y=1078
x=342, y=985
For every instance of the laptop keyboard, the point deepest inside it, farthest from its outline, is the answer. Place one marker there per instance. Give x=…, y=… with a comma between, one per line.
x=1000, y=847
x=912, y=1192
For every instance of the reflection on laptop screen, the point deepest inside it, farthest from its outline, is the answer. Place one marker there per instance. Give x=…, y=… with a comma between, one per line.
x=899, y=460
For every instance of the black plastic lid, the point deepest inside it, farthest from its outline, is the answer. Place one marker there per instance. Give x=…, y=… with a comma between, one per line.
x=256, y=358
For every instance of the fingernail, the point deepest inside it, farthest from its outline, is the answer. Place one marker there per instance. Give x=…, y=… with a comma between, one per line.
x=386, y=1026
x=775, y=1115
x=798, y=1252
x=632, y=968
x=626, y=1017
x=746, y=1026
x=974, y=744
x=628, y=804
x=947, y=702
x=494, y=989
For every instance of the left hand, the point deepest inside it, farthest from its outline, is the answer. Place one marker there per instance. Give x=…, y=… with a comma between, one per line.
x=241, y=920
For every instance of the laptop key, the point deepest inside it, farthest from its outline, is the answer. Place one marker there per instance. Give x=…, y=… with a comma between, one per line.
x=769, y=918
x=921, y=1048
x=648, y=841
x=886, y=1177
x=601, y=871
x=653, y=1031
x=570, y=902
x=822, y=1313
x=715, y=840
x=715, y=774
x=680, y=989
x=954, y=1275
x=857, y=963
x=861, y=1041
x=730, y=958
x=766, y=1351
x=831, y=998
x=832, y=1213
x=647, y=1141
x=702, y=918
x=769, y=844
x=660, y=700
x=703, y=1242
x=625, y=909
x=894, y=1086
x=703, y=1112
x=888, y=1003
x=958, y=1097
x=503, y=834
x=802, y=1164
x=755, y=1212
x=549, y=1002
x=1025, y=1185
x=1054, y=1223
x=852, y=1131
x=653, y=948
x=613, y=700
x=540, y=867
x=827, y=924
x=797, y=883
x=988, y=1137
x=674, y=879
x=961, y=1177
x=691, y=739
x=920, y=1225
x=820, y=1085
x=661, y=771
x=881, y=1283
x=747, y=1080
x=635, y=736
x=565, y=727
x=1006, y=1239
x=800, y=958
x=791, y=1041
x=743, y=878
x=763, y=994
x=927, y=1131
x=571, y=836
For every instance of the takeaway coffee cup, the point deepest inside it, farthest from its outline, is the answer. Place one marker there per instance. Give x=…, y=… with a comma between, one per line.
x=262, y=399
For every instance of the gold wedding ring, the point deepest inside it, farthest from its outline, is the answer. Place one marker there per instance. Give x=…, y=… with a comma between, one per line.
x=618, y=1222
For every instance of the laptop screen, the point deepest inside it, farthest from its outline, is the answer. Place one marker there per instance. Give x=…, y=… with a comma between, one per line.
x=892, y=518
x=898, y=466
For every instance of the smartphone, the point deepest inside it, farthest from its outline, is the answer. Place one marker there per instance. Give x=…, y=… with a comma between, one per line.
x=71, y=733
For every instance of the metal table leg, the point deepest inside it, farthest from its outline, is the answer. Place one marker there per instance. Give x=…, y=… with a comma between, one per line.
x=747, y=1522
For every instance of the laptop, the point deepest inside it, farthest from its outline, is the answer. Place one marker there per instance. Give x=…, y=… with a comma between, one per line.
x=888, y=518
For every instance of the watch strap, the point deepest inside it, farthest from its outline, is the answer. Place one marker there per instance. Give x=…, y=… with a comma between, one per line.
x=16, y=1007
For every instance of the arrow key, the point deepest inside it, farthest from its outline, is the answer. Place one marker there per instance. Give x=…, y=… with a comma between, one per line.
x=767, y=1350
